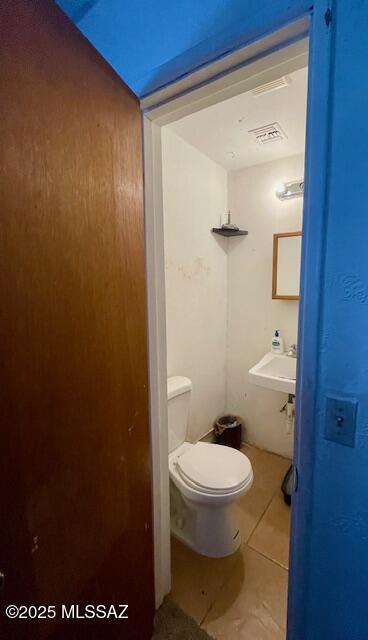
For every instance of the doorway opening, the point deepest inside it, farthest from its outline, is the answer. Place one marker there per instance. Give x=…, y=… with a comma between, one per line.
x=228, y=220
x=230, y=151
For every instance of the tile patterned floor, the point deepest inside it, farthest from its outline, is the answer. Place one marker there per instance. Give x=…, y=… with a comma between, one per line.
x=243, y=597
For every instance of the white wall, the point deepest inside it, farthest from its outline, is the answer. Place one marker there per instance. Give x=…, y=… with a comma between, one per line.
x=195, y=195
x=252, y=314
x=219, y=311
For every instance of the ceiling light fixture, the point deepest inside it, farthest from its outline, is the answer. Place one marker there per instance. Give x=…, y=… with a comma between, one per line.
x=289, y=190
x=280, y=188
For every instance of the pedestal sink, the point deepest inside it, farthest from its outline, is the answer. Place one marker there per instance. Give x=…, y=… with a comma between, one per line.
x=275, y=372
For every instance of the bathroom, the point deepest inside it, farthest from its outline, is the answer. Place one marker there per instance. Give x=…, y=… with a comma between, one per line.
x=225, y=299
x=95, y=95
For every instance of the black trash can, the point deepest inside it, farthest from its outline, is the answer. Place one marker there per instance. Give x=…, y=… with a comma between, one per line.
x=228, y=431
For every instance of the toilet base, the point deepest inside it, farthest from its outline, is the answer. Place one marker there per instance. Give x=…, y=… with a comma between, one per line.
x=209, y=529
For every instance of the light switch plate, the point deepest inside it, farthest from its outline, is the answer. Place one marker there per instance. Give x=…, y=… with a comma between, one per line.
x=341, y=420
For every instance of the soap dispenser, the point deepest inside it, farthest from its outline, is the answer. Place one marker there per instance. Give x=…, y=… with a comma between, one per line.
x=277, y=343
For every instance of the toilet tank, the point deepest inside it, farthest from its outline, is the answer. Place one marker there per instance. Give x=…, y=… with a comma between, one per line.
x=178, y=400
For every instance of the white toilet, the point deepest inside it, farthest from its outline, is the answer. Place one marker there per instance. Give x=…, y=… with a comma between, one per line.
x=205, y=481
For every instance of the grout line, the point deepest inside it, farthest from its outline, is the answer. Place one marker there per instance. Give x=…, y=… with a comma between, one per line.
x=208, y=610
x=216, y=596
x=210, y=606
x=259, y=520
x=278, y=564
x=218, y=593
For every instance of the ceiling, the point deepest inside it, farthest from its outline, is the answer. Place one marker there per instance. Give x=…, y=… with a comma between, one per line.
x=153, y=42
x=221, y=131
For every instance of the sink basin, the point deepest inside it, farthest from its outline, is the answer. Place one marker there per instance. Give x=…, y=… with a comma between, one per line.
x=275, y=372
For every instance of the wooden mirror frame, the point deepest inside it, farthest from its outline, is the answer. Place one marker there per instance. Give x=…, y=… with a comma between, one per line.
x=276, y=237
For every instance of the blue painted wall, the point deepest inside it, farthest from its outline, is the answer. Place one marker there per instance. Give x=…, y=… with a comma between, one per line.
x=154, y=42
x=337, y=602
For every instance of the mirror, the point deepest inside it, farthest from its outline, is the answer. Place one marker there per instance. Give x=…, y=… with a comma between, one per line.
x=286, y=265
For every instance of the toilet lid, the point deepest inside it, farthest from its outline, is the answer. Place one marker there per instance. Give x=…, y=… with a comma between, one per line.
x=214, y=467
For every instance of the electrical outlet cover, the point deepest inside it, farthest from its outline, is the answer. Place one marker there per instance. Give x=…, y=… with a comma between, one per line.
x=341, y=420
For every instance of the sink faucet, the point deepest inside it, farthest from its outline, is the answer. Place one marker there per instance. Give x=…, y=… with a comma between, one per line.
x=292, y=351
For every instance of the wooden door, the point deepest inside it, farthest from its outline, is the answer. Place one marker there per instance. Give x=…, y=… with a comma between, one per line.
x=75, y=490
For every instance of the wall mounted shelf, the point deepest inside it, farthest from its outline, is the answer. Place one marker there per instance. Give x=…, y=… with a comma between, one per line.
x=229, y=232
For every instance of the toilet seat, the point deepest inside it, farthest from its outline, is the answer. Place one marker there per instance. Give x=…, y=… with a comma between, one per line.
x=214, y=469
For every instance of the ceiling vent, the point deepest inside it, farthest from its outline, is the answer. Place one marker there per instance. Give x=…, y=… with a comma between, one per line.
x=279, y=83
x=268, y=133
